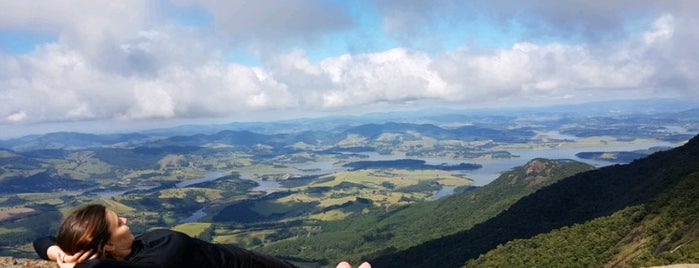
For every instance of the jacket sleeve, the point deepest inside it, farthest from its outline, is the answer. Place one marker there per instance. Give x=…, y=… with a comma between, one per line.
x=243, y=258
x=42, y=245
x=107, y=263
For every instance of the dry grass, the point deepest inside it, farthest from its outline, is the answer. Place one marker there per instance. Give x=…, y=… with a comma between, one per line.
x=192, y=229
x=182, y=192
x=11, y=213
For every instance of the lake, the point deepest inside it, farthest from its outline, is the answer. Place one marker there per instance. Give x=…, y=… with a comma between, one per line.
x=491, y=168
x=209, y=176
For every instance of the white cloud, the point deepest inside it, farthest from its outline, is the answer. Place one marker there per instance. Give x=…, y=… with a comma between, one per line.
x=541, y=72
x=16, y=116
x=113, y=60
x=152, y=101
x=663, y=28
x=394, y=76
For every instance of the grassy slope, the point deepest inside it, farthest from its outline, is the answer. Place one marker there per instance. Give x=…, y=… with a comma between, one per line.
x=362, y=237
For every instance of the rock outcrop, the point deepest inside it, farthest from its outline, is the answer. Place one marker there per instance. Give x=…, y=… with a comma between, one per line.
x=10, y=262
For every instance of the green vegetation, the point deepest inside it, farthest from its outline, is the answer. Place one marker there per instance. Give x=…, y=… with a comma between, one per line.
x=397, y=228
x=19, y=231
x=640, y=187
x=661, y=232
x=272, y=196
x=194, y=229
x=257, y=219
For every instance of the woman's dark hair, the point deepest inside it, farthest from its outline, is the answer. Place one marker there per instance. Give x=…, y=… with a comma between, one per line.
x=85, y=229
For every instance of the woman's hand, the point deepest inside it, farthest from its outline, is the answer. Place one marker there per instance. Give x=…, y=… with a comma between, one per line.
x=69, y=261
x=347, y=265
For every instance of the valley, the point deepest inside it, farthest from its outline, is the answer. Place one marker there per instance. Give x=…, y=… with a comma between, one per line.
x=268, y=191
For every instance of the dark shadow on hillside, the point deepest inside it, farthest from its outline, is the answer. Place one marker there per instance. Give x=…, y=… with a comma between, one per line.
x=577, y=199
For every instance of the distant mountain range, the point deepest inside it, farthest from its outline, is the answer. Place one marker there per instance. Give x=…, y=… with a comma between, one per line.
x=500, y=126
x=663, y=109
x=73, y=141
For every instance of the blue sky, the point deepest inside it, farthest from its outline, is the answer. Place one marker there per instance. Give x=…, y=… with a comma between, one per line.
x=142, y=63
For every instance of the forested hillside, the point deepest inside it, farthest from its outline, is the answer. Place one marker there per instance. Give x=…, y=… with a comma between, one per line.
x=373, y=235
x=660, y=232
x=625, y=215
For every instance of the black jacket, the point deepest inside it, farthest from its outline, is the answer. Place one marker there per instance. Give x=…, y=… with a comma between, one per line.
x=171, y=249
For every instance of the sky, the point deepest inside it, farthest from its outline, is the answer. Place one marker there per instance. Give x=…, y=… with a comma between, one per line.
x=85, y=64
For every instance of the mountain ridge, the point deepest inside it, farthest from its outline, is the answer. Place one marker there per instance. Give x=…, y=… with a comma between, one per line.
x=599, y=193
x=397, y=227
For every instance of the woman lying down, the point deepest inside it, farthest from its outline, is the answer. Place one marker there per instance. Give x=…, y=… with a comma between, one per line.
x=94, y=236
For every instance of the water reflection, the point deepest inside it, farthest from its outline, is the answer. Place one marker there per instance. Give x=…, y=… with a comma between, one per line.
x=444, y=192
x=113, y=193
x=209, y=176
x=196, y=216
x=266, y=186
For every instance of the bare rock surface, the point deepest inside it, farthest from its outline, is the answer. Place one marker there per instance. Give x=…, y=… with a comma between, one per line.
x=10, y=262
x=683, y=265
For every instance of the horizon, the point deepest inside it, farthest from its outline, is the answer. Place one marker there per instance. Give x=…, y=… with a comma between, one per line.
x=106, y=127
x=139, y=64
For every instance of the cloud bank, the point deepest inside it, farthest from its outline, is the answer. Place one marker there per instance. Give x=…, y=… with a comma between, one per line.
x=142, y=60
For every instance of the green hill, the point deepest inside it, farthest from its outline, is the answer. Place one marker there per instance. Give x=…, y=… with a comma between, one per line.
x=663, y=231
x=398, y=229
x=626, y=215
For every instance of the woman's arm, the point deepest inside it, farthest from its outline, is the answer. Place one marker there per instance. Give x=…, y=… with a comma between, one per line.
x=46, y=248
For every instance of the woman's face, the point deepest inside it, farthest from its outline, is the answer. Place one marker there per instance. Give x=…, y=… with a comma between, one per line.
x=119, y=245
